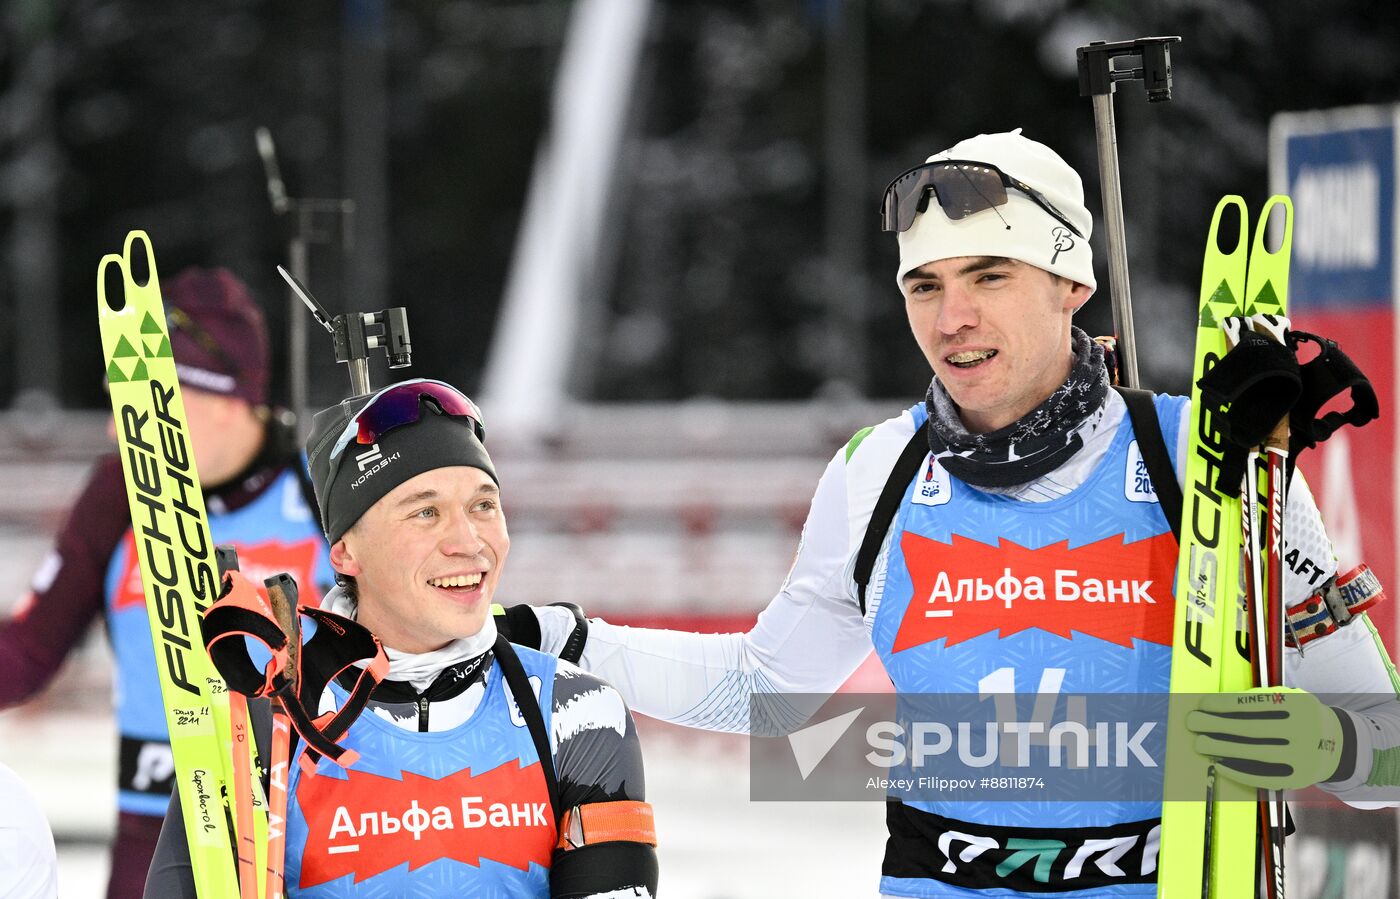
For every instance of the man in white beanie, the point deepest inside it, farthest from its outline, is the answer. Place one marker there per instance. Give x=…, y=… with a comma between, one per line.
x=1004, y=535
x=990, y=282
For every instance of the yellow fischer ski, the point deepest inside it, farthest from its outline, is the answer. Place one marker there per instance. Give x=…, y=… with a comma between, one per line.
x=1210, y=824
x=1266, y=293
x=1201, y=811
x=176, y=555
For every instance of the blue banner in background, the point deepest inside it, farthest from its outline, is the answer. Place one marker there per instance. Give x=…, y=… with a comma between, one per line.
x=1339, y=167
x=1343, y=187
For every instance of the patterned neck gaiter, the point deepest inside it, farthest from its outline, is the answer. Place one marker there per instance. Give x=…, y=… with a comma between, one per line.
x=1031, y=447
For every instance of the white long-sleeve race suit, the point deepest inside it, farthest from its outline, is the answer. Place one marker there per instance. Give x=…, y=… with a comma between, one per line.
x=812, y=634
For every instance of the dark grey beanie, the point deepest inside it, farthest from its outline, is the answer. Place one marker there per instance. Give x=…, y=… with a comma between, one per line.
x=346, y=487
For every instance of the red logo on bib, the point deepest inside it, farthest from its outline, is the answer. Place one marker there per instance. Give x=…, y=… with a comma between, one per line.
x=369, y=824
x=1109, y=589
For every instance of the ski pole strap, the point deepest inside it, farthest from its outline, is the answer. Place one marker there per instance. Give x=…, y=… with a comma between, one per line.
x=337, y=645
x=1147, y=428
x=906, y=468
x=607, y=822
x=1326, y=376
x=1339, y=601
x=244, y=612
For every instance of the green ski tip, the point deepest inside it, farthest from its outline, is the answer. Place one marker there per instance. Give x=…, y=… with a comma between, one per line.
x=1266, y=300
x=160, y=352
x=114, y=374
x=124, y=349
x=150, y=326
x=1223, y=294
x=1223, y=297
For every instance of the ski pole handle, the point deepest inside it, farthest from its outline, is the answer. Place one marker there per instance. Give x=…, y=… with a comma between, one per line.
x=282, y=594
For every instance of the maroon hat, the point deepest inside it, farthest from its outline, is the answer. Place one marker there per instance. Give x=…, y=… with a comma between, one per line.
x=217, y=334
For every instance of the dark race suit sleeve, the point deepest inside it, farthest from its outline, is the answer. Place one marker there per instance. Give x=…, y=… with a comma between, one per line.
x=171, y=876
x=598, y=758
x=54, y=617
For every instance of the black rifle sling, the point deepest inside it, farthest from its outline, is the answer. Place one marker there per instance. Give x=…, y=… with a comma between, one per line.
x=904, y=471
x=534, y=719
x=1153, y=446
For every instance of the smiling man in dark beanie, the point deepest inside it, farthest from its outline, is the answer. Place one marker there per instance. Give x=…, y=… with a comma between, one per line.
x=347, y=475
x=526, y=798
x=259, y=499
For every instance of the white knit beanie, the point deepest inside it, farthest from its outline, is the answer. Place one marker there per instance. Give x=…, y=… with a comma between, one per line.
x=1023, y=231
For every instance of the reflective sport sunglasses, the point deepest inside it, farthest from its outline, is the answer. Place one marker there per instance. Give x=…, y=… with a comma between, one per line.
x=962, y=187
x=401, y=404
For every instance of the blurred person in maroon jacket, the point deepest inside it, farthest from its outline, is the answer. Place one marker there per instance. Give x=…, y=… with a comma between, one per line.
x=258, y=497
